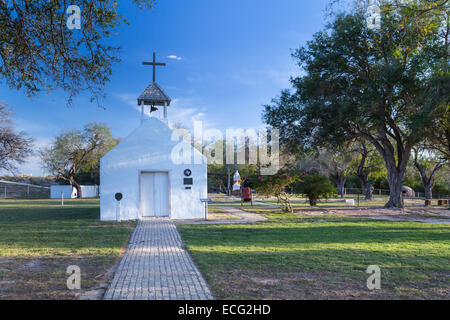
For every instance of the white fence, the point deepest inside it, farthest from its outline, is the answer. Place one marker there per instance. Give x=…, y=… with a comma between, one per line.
x=65, y=192
x=69, y=192
x=90, y=191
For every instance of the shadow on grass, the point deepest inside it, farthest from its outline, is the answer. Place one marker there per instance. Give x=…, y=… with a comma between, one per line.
x=343, y=262
x=404, y=251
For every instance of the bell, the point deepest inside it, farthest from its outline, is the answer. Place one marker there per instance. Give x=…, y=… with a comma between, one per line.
x=153, y=109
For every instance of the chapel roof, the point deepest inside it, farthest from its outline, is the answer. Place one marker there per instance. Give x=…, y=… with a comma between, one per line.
x=154, y=95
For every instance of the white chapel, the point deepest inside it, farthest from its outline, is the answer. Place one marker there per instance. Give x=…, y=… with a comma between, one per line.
x=142, y=178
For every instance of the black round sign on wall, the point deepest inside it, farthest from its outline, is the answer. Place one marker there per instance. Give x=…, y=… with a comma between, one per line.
x=187, y=172
x=118, y=196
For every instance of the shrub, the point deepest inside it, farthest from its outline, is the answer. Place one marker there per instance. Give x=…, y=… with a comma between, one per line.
x=315, y=186
x=275, y=186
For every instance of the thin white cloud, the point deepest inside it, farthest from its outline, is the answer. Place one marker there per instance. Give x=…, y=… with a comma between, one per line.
x=174, y=57
x=184, y=111
x=181, y=110
x=203, y=77
x=257, y=77
x=130, y=99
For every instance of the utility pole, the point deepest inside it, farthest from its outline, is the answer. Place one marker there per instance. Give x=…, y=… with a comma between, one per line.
x=229, y=181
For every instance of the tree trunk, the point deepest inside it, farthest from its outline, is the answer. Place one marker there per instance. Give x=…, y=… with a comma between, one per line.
x=341, y=186
x=428, y=182
x=395, y=180
x=367, y=188
x=428, y=190
x=283, y=199
x=77, y=186
x=368, y=191
x=396, y=168
x=222, y=188
x=362, y=172
x=339, y=179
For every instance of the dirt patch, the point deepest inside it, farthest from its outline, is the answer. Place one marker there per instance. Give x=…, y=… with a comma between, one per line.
x=407, y=214
x=5, y=283
x=45, y=278
x=34, y=266
x=263, y=281
x=5, y=261
x=284, y=285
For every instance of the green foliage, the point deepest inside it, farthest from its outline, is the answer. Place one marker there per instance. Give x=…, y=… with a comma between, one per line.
x=367, y=160
x=74, y=153
x=442, y=186
x=441, y=180
x=353, y=182
x=438, y=134
x=315, y=186
x=275, y=186
x=384, y=86
x=218, y=175
x=429, y=167
x=38, y=52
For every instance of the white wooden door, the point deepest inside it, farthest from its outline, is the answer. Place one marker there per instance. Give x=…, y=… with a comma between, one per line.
x=155, y=194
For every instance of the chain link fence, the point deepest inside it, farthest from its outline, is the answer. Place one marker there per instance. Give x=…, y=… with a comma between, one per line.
x=16, y=190
x=384, y=192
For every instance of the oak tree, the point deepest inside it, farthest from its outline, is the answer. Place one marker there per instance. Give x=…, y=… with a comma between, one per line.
x=74, y=152
x=15, y=147
x=386, y=86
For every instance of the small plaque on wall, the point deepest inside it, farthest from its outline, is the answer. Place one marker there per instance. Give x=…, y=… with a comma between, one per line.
x=188, y=181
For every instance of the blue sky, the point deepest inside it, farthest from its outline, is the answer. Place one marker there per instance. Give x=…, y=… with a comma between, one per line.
x=234, y=56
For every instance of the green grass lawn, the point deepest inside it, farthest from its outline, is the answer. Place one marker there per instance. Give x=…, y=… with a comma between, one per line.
x=286, y=257
x=39, y=239
x=296, y=257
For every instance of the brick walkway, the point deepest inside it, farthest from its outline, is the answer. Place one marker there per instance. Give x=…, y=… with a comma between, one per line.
x=156, y=267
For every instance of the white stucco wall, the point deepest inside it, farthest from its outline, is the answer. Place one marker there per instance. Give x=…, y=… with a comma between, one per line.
x=71, y=193
x=68, y=192
x=89, y=191
x=149, y=149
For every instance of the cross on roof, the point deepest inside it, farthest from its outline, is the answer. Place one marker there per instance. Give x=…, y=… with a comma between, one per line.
x=154, y=64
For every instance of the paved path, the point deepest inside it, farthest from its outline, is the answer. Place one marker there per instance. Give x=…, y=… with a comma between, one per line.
x=157, y=267
x=245, y=217
x=259, y=203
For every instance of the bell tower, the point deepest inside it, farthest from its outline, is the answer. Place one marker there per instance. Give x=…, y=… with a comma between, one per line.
x=154, y=96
